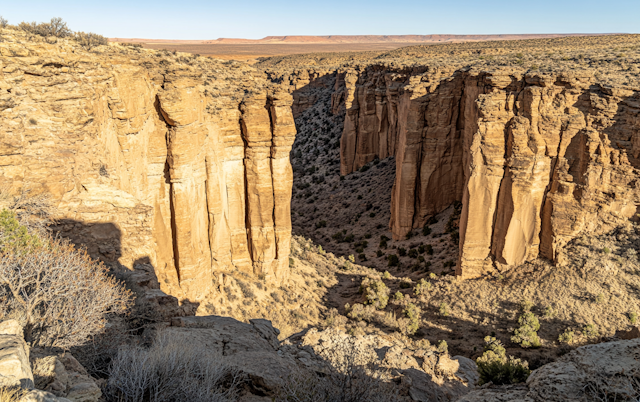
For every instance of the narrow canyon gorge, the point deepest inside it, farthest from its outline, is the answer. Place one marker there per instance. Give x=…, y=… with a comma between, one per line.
x=535, y=159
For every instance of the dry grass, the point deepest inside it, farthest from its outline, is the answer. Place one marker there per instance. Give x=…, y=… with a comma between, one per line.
x=10, y=394
x=169, y=371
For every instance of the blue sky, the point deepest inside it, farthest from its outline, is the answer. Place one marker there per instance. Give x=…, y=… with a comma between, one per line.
x=202, y=19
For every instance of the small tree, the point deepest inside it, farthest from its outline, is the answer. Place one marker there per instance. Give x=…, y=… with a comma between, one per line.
x=413, y=314
x=375, y=292
x=494, y=366
x=3, y=22
x=526, y=334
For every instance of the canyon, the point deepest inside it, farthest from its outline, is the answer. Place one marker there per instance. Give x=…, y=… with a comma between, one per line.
x=511, y=165
x=183, y=162
x=534, y=156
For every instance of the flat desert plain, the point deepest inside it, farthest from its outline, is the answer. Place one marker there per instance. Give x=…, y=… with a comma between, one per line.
x=249, y=49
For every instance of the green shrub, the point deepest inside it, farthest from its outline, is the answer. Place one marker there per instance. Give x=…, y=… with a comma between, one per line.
x=402, y=251
x=494, y=365
x=549, y=312
x=375, y=292
x=393, y=260
x=422, y=287
x=444, y=309
x=590, y=331
x=526, y=334
x=566, y=337
x=405, y=285
x=413, y=253
x=429, y=249
x=379, y=253
x=413, y=314
x=398, y=295
x=426, y=231
x=386, y=275
x=14, y=237
x=633, y=317
x=443, y=347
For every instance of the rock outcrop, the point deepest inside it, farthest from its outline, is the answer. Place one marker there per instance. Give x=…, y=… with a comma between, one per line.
x=535, y=158
x=169, y=159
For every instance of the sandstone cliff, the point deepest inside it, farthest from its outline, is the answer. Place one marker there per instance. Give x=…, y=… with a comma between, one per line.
x=172, y=159
x=534, y=158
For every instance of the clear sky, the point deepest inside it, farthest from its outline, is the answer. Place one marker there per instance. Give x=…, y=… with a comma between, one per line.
x=209, y=19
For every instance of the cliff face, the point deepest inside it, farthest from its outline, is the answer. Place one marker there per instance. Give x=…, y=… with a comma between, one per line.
x=171, y=159
x=535, y=159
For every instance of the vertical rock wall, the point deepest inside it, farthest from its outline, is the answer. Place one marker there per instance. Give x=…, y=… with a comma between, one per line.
x=172, y=160
x=530, y=156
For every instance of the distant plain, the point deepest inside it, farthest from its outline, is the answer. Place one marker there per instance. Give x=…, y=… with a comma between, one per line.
x=250, y=50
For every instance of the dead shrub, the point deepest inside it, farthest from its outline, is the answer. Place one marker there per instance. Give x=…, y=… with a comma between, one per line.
x=59, y=294
x=56, y=27
x=350, y=378
x=170, y=371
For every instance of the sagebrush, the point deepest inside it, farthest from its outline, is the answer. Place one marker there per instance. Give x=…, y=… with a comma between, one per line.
x=170, y=371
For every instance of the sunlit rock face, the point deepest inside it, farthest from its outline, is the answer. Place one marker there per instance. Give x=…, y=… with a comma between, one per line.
x=535, y=159
x=169, y=159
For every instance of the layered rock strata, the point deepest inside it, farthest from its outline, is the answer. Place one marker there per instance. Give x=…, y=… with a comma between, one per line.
x=169, y=159
x=534, y=158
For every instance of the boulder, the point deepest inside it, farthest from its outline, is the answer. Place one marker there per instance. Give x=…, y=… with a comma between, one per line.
x=585, y=374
